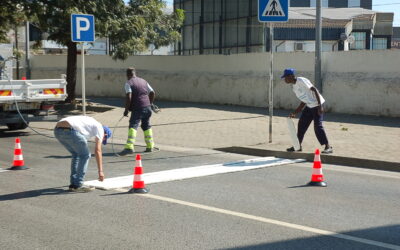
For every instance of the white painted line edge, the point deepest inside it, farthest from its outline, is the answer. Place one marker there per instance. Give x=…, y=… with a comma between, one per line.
x=272, y=221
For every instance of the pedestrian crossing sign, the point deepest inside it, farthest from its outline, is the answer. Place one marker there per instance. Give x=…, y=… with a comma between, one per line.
x=273, y=10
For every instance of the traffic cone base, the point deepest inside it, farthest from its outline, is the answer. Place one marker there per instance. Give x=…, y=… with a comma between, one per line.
x=317, y=183
x=138, y=190
x=18, y=168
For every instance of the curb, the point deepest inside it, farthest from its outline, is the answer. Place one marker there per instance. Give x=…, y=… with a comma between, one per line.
x=329, y=159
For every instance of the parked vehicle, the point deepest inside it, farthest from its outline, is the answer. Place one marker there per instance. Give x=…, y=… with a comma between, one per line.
x=22, y=101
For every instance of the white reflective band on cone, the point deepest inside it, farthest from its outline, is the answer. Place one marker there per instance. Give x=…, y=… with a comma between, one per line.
x=317, y=171
x=18, y=157
x=138, y=177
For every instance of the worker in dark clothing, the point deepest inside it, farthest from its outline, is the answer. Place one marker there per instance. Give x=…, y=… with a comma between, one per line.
x=311, y=106
x=139, y=100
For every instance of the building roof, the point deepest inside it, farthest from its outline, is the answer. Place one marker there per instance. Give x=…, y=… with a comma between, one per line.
x=302, y=17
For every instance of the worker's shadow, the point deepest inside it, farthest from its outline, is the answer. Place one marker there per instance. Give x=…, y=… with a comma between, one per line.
x=34, y=193
x=69, y=156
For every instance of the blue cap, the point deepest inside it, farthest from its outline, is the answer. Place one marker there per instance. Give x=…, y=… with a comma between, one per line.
x=288, y=72
x=107, y=134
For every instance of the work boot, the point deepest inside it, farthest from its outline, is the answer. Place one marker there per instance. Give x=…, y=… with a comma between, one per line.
x=126, y=151
x=149, y=150
x=292, y=149
x=81, y=189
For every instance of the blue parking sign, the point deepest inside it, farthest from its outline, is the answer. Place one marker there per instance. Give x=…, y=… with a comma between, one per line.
x=273, y=10
x=82, y=28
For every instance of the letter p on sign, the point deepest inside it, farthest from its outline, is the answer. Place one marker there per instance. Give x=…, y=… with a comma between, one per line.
x=82, y=28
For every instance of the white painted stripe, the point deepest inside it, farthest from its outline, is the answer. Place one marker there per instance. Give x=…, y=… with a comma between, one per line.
x=274, y=222
x=192, y=172
x=3, y=170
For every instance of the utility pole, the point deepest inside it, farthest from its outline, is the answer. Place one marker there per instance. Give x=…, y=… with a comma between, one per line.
x=27, y=53
x=318, y=43
x=16, y=49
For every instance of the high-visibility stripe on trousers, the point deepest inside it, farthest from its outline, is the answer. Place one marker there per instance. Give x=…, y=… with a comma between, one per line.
x=148, y=137
x=130, y=143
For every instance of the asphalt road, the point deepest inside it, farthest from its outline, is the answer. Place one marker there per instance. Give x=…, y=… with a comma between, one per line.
x=268, y=208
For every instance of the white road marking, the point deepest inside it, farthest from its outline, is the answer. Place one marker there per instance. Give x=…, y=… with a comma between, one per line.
x=192, y=172
x=271, y=221
x=4, y=170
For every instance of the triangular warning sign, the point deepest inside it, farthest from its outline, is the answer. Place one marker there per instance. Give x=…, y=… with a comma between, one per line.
x=273, y=8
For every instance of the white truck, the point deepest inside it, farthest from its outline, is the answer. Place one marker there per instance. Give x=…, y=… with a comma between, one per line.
x=31, y=99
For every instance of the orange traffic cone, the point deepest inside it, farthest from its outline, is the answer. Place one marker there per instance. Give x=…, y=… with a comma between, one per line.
x=317, y=178
x=18, y=163
x=138, y=183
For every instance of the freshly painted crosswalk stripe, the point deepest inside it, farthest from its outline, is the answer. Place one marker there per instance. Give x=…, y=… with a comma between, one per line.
x=192, y=172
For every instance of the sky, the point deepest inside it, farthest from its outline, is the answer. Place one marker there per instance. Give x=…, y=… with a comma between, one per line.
x=378, y=5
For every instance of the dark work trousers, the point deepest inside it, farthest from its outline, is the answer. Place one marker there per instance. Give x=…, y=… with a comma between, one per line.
x=307, y=116
x=141, y=115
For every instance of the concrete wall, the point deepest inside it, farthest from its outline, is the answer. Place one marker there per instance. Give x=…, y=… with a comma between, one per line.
x=355, y=82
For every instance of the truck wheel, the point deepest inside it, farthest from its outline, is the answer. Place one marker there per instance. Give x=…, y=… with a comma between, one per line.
x=16, y=126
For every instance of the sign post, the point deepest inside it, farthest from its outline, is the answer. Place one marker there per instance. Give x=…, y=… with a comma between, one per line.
x=272, y=11
x=82, y=30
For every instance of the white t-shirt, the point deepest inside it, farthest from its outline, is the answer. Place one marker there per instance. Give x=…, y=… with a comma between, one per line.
x=86, y=125
x=129, y=90
x=302, y=89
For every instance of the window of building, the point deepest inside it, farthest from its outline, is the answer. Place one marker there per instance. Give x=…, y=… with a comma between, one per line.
x=359, y=41
x=379, y=43
x=354, y=3
x=313, y=3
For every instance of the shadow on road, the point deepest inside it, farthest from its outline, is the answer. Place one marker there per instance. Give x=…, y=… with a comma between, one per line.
x=384, y=237
x=34, y=193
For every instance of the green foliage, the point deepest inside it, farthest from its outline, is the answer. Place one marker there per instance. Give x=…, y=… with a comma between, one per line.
x=131, y=27
x=11, y=15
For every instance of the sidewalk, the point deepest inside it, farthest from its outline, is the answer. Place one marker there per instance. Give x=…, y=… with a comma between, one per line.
x=364, y=141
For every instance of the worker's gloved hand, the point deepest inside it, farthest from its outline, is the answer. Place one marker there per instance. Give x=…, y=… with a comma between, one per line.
x=126, y=112
x=155, y=108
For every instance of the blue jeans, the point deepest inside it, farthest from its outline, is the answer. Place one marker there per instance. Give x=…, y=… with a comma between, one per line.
x=307, y=116
x=77, y=145
x=140, y=115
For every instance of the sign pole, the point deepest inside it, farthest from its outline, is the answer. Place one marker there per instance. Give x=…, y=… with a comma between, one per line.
x=82, y=30
x=83, y=79
x=272, y=11
x=271, y=78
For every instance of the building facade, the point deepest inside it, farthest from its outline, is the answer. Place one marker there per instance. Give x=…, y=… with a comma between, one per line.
x=232, y=26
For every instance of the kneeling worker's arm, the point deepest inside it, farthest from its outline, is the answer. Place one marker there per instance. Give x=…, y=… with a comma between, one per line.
x=99, y=159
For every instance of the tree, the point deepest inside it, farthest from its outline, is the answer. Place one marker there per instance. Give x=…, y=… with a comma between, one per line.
x=11, y=14
x=130, y=27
